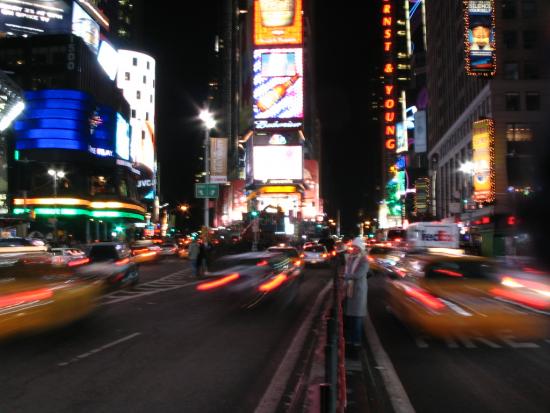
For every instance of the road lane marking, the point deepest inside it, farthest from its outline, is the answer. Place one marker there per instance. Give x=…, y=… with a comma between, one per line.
x=396, y=392
x=97, y=350
x=276, y=388
x=509, y=339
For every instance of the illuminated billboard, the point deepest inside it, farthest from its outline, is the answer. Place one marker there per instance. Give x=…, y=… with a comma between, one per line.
x=401, y=139
x=108, y=59
x=479, y=18
x=66, y=119
x=218, y=160
x=85, y=27
x=277, y=163
x=278, y=86
x=122, y=137
x=277, y=22
x=483, y=159
x=18, y=18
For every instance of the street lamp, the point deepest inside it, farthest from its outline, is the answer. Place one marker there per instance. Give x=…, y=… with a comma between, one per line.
x=209, y=123
x=55, y=174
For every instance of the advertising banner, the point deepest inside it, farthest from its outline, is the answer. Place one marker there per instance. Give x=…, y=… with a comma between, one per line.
x=483, y=160
x=278, y=87
x=277, y=22
x=218, y=160
x=19, y=18
x=401, y=138
x=479, y=16
x=420, y=141
x=277, y=163
x=85, y=27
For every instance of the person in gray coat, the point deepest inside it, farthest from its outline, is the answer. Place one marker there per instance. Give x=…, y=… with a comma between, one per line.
x=355, y=277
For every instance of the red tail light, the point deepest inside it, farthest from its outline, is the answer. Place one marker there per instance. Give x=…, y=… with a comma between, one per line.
x=123, y=261
x=424, y=297
x=302, y=255
x=262, y=263
x=334, y=253
x=298, y=263
x=324, y=255
x=275, y=282
x=25, y=297
x=449, y=273
x=75, y=263
x=140, y=251
x=370, y=259
x=521, y=298
x=218, y=283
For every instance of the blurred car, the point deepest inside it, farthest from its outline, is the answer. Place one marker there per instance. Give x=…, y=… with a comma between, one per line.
x=69, y=256
x=168, y=249
x=21, y=245
x=316, y=255
x=113, y=262
x=183, y=252
x=251, y=278
x=384, y=259
x=292, y=254
x=445, y=296
x=35, y=296
x=144, y=251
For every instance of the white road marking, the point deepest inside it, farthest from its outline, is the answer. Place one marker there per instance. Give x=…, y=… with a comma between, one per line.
x=97, y=350
x=451, y=343
x=509, y=339
x=272, y=396
x=467, y=342
x=420, y=342
x=396, y=392
x=487, y=342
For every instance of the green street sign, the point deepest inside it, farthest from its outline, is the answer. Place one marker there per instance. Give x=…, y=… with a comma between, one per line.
x=206, y=191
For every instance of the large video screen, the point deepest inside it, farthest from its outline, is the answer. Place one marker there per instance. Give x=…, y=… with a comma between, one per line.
x=122, y=137
x=29, y=17
x=85, y=27
x=277, y=22
x=278, y=84
x=277, y=162
x=480, y=37
x=483, y=160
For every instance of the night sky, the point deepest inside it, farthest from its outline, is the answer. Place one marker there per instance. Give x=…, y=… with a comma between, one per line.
x=346, y=46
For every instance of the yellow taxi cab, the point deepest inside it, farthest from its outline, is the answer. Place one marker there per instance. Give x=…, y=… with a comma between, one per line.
x=35, y=296
x=382, y=257
x=459, y=295
x=145, y=251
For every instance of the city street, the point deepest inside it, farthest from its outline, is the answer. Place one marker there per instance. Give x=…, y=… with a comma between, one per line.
x=161, y=347
x=504, y=375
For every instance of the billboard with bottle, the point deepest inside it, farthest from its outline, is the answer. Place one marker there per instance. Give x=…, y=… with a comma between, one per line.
x=278, y=84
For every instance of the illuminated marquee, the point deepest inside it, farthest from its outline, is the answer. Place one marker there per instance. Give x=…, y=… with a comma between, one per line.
x=479, y=37
x=390, y=102
x=483, y=145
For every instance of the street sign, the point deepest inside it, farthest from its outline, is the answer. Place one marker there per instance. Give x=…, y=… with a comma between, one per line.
x=206, y=191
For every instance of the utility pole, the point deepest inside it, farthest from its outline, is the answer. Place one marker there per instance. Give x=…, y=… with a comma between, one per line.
x=338, y=222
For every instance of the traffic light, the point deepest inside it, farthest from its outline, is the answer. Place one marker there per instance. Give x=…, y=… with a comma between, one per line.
x=254, y=213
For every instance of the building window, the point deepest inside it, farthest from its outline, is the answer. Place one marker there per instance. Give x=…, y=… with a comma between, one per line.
x=530, y=38
x=134, y=61
x=532, y=101
x=510, y=39
x=530, y=70
x=151, y=99
x=528, y=8
x=518, y=132
x=144, y=79
x=138, y=95
x=127, y=76
x=142, y=135
x=511, y=71
x=146, y=115
x=512, y=101
x=508, y=9
x=133, y=113
x=148, y=65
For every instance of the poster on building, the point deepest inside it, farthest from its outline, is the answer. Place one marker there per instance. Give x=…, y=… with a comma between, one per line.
x=278, y=85
x=480, y=37
x=277, y=22
x=218, y=160
x=401, y=138
x=420, y=142
x=483, y=160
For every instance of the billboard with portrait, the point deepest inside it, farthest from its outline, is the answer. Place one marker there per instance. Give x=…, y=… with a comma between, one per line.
x=480, y=37
x=85, y=27
x=277, y=163
x=278, y=85
x=483, y=160
x=277, y=22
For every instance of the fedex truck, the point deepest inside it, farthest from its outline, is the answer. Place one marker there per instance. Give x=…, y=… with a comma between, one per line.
x=433, y=235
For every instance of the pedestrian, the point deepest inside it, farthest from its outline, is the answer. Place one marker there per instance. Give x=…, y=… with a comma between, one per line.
x=194, y=256
x=355, y=277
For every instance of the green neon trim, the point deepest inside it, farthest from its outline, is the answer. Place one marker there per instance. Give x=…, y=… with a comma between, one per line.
x=78, y=211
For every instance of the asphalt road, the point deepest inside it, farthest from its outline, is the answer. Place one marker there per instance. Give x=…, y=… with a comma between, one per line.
x=162, y=347
x=498, y=375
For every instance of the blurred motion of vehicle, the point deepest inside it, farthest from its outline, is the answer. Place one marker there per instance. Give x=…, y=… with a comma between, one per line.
x=452, y=295
x=113, y=262
x=13, y=245
x=69, y=256
x=316, y=255
x=36, y=296
x=168, y=249
x=254, y=277
x=292, y=254
x=144, y=251
x=183, y=252
x=383, y=258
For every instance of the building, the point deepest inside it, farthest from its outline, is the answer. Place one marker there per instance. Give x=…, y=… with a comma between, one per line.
x=126, y=21
x=483, y=116
x=70, y=148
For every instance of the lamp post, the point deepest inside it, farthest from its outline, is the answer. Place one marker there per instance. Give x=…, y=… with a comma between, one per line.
x=55, y=174
x=209, y=123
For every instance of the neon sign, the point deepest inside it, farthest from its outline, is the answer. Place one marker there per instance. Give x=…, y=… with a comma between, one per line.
x=389, y=102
